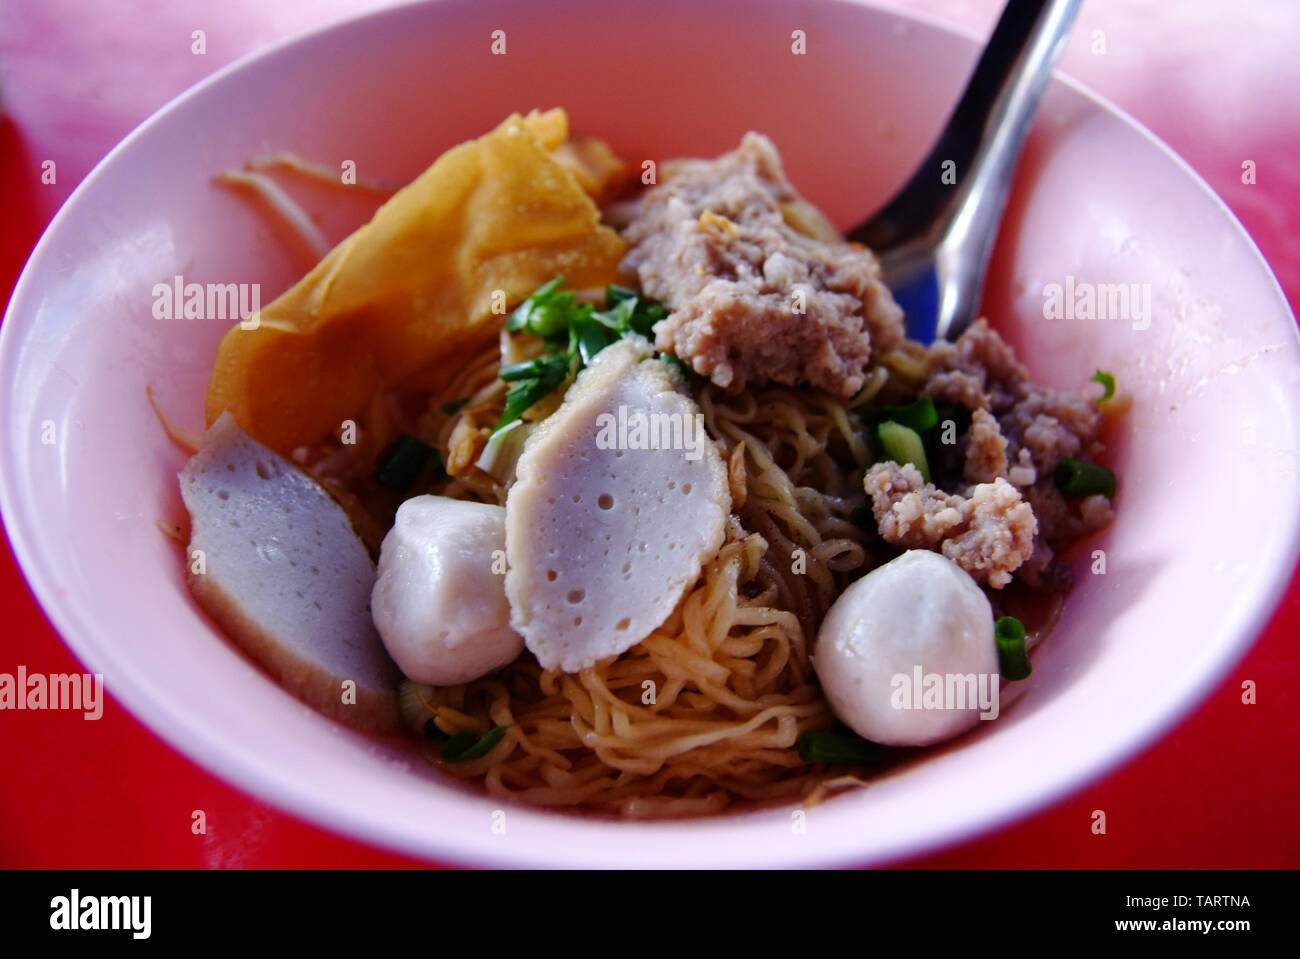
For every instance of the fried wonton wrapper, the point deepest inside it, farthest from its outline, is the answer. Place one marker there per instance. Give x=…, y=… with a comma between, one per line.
x=407, y=297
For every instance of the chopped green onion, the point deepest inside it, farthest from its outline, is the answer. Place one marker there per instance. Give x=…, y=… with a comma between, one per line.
x=1084, y=479
x=548, y=372
x=539, y=366
x=466, y=745
x=677, y=363
x=545, y=312
x=617, y=294
x=645, y=316
x=590, y=335
x=627, y=311
x=517, y=371
x=1107, y=382
x=455, y=406
x=920, y=415
x=574, y=333
x=411, y=699
x=863, y=518
x=841, y=749
x=903, y=445
x=1013, y=660
x=502, y=450
x=403, y=461
x=617, y=317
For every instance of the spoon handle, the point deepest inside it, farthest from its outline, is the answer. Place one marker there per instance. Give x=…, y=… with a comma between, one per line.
x=983, y=135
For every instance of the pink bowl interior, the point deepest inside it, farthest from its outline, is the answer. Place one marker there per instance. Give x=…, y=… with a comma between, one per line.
x=1207, y=514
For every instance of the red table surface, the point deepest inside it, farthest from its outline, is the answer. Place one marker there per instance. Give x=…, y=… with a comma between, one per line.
x=1216, y=81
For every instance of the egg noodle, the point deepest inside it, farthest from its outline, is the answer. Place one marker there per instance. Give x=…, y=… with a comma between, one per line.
x=708, y=708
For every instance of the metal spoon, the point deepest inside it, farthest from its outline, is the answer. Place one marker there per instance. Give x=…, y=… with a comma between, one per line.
x=934, y=238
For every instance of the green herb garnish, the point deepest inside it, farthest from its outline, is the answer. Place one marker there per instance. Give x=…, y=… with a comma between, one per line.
x=574, y=333
x=626, y=311
x=677, y=363
x=466, y=745
x=545, y=312
x=1084, y=479
x=533, y=387
x=902, y=444
x=1013, y=660
x=588, y=336
x=1107, y=382
x=841, y=749
x=532, y=369
x=617, y=294
x=402, y=462
x=920, y=415
x=412, y=703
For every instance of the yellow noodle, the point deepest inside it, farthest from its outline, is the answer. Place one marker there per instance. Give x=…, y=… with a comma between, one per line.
x=707, y=710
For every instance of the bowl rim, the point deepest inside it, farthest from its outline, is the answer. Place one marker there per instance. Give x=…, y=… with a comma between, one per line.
x=74, y=623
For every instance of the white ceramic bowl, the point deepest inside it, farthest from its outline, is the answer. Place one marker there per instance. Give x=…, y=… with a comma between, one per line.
x=1206, y=533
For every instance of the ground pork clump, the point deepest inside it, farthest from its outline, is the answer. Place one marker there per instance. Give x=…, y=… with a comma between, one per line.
x=986, y=450
x=760, y=285
x=989, y=532
x=1020, y=432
